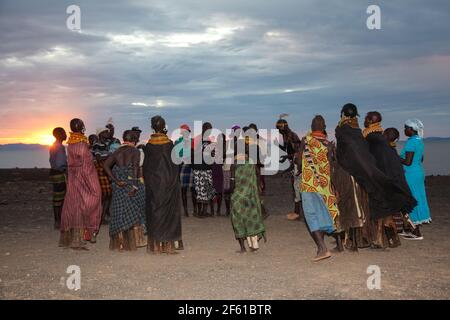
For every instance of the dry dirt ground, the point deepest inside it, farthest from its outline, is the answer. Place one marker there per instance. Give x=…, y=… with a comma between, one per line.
x=32, y=266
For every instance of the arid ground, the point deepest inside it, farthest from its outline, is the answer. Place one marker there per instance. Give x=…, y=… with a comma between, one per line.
x=32, y=266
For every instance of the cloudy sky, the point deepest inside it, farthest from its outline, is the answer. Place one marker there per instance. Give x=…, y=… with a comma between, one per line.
x=224, y=61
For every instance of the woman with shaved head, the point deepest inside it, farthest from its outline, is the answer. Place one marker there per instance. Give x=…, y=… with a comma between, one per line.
x=126, y=227
x=317, y=193
x=82, y=209
x=162, y=187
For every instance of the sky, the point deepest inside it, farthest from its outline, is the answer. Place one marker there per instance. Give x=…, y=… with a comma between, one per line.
x=224, y=61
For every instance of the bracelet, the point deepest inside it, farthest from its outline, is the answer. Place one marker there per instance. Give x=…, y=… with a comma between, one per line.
x=232, y=179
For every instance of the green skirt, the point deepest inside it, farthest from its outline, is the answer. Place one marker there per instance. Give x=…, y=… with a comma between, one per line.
x=246, y=214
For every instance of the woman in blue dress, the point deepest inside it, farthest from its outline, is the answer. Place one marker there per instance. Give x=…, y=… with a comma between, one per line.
x=412, y=159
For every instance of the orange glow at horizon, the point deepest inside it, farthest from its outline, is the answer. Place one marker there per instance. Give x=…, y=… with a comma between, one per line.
x=43, y=137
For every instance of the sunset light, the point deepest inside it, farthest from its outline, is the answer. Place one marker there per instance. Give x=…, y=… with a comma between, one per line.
x=290, y=150
x=45, y=139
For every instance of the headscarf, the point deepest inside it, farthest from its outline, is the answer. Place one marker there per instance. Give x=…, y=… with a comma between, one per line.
x=416, y=124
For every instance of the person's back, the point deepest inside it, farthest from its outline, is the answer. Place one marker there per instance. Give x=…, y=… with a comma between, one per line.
x=82, y=205
x=354, y=156
x=162, y=187
x=157, y=161
x=386, y=158
x=126, y=227
x=125, y=156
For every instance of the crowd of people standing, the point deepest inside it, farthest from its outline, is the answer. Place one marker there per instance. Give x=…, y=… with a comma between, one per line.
x=358, y=190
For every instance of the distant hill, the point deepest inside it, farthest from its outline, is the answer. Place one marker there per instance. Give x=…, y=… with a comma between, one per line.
x=22, y=146
x=436, y=139
x=433, y=139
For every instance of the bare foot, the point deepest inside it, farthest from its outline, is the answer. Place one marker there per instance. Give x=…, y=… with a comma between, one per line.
x=322, y=256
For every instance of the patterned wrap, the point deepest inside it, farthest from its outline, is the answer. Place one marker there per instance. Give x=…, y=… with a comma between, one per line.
x=105, y=182
x=59, y=187
x=126, y=211
x=186, y=176
x=246, y=212
x=316, y=173
x=203, y=184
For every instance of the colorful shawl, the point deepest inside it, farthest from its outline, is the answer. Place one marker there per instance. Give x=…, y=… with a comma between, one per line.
x=316, y=173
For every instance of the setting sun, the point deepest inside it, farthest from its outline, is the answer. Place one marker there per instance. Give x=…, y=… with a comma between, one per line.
x=45, y=139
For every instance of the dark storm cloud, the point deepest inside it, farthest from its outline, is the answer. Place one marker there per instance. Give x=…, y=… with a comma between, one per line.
x=227, y=61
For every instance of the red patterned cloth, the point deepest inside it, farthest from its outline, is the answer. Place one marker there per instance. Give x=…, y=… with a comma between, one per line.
x=82, y=204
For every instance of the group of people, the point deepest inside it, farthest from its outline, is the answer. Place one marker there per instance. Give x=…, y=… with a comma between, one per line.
x=138, y=188
x=359, y=190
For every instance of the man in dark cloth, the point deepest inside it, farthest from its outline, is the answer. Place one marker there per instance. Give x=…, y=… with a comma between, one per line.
x=128, y=218
x=354, y=156
x=100, y=150
x=388, y=161
x=58, y=169
x=291, y=145
x=162, y=189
